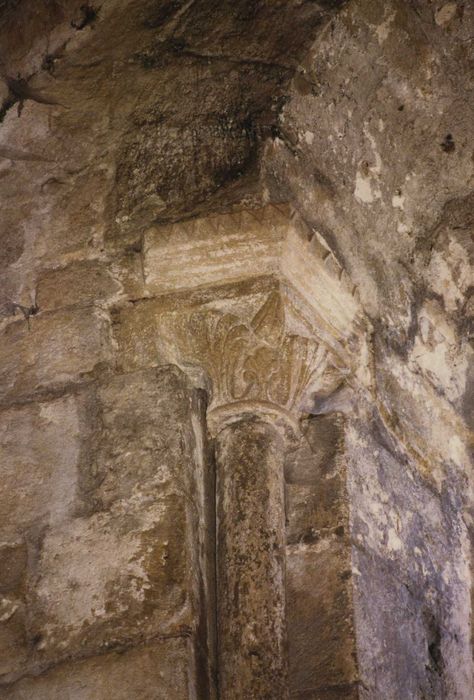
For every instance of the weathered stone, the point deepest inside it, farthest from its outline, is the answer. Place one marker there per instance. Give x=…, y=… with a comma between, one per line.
x=400, y=643
x=142, y=568
x=127, y=269
x=321, y=639
x=113, y=578
x=51, y=350
x=317, y=454
x=250, y=566
x=315, y=475
x=40, y=451
x=146, y=149
x=420, y=581
x=350, y=691
x=40, y=447
x=159, y=671
x=75, y=223
x=147, y=442
x=78, y=284
x=13, y=558
x=13, y=634
x=215, y=250
x=314, y=510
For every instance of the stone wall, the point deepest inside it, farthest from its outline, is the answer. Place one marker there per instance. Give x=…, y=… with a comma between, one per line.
x=103, y=539
x=236, y=352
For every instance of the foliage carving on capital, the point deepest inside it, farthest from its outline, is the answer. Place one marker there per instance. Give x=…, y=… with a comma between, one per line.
x=257, y=362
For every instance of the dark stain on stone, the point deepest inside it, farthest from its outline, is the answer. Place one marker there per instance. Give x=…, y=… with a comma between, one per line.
x=10, y=101
x=161, y=13
x=448, y=144
x=433, y=636
x=36, y=639
x=87, y=16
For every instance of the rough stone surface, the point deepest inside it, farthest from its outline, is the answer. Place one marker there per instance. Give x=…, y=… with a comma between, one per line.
x=404, y=574
x=139, y=588
x=40, y=451
x=50, y=351
x=104, y=545
x=321, y=644
x=82, y=283
x=147, y=442
x=250, y=561
x=236, y=261
x=321, y=639
x=370, y=158
x=316, y=500
x=155, y=672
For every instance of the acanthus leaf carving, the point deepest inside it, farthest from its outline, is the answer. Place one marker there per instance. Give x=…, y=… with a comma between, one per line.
x=257, y=362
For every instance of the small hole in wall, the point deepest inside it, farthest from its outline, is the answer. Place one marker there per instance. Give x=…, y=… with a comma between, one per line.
x=448, y=144
x=433, y=638
x=435, y=655
x=401, y=108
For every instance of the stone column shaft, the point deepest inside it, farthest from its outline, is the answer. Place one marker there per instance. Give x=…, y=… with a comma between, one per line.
x=250, y=561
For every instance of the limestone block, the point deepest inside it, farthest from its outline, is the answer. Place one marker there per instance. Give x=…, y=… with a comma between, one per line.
x=315, y=475
x=319, y=619
x=39, y=457
x=317, y=453
x=148, y=442
x=345, y=691
x=411, y=544
x=40, y=451
x=13, y=635
x=83, y=283
x=423, y=421
x=127, y=269
x=398, y=636
x=74, y=224
x=393, y=508
x=114, y=578
x=214, y=250
x=313, y=511
x=150, y=447
x=438, y=355
x=155, y=672
x=13, y=562
x=51, y=350
x=13, y=558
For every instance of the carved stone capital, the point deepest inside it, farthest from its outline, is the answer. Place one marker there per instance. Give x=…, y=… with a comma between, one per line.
x=254, y=364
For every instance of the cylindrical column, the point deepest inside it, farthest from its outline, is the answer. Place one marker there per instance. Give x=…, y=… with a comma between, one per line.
x=250, y=562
